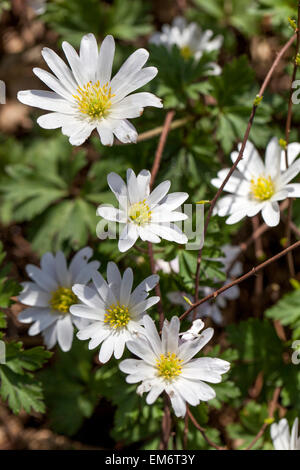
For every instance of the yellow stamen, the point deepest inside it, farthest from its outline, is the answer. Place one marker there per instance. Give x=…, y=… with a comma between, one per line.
x=169, y=366
x=186, y=52
x=93, y=99
x=117, y=316
x=140, y=213
x=62, y=299
x=262, y=188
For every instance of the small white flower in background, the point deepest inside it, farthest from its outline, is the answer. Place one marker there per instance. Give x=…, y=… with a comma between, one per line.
x=193, y=332
x=190, y=40
x=167, y=364
x=115, y=312
x=282, y=439
x=38, y=6
x=213, y=309
x=149, y=216
x=256, y=186
x=50, y=296
x=85, y=97
x=168, y=267
x=293, y=151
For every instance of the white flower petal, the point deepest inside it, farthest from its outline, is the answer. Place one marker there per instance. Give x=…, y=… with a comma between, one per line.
x=65, y=332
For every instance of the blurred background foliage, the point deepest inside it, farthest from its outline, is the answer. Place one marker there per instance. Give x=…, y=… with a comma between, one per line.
x=49, y=192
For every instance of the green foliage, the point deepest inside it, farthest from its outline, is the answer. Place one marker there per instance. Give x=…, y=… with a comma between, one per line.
x=18, y=384
x=124, y=19
x=71, y=393
x=187, y=78
x=134, y=420
x=287, y=312
x=251, y=419
x=243, y=15
x=259, y=349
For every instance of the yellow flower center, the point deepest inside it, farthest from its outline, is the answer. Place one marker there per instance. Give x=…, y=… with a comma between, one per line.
x=93, y=99
x=117, y=316
x=262, y=188
x=62, y=299
x=169, y=366
x=140, y=213
x=186, y=52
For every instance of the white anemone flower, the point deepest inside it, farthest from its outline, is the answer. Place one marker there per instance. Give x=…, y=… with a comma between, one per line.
x=190, y=40
x=282, y=439
x=256, y=186
x=85, y=97
x=293, y=150
x=214, y=308
x=144, y=214
x=115, y=312
x=167, y=364
x=49, y=296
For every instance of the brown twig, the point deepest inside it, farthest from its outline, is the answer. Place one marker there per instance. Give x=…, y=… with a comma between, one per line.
x=161, y=145
x=166, y=421
x=158, y=130
x=203, y=431
x=240, y=155
x=272, y=408
x=256, y=234
x=259, y=278
x=250, y=273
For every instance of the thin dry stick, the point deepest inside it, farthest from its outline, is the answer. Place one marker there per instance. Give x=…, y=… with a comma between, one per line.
x=158, y=130
x=272, y=408
x=166, y=421
x=287, y=137
x=157, y=287
x=186, y=429
x=155, y=168
x=241, y=152
x=259, y=278
x=260, y=230
x=166, y=426
x=250, y=273
x=203, y=432
x=161, y=145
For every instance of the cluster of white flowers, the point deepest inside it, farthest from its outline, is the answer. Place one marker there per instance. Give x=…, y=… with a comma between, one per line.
x=109, y=313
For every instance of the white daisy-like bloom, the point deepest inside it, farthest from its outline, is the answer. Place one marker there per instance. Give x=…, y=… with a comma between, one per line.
x=84, y=95
x=113, y=310
x=49, y=296
x=282, y=439
x=190, y=40
x=150, y=216
x=213, y=309
x=167, y=364
x=256, y=186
